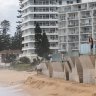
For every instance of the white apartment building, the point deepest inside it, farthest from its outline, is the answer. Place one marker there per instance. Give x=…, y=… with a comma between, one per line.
x=45, y=12
x=76, y=23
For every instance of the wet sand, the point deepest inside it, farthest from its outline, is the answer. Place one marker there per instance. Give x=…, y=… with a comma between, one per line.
x=34, y=85
x=12, y=82
x=11, y=91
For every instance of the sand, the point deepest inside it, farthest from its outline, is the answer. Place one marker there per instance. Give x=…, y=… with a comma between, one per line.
x=44, y=86
x=12, y=77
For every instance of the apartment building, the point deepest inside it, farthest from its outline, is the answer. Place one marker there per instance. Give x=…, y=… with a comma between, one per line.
x=76, y=23
x=45, y=12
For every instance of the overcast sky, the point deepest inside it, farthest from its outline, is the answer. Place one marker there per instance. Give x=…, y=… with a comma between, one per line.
x=8, y=11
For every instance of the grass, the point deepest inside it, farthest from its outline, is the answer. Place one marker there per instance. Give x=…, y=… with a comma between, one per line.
x=22, y=67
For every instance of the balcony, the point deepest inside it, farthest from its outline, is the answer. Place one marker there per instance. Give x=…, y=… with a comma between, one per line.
x=55, y=40
x=72, y=16
x=74, y=47
x=27, y=27
x=84, y=39
x=28, y=48
x=62, y=17
x=94, y=13
x=92, y=5
x=38, y=20
x=27, y=41
x=66, y=9
x=30, y=12
x=73, y=23
x=24, y=1
x=55, y=47
x=62, y=50
x=73, y=39
x=27, y=34
x=73, y=32
x=79, y=7
x=62, y=34
x=55, y=33
x=38, y=5
x=62, y=24
x=62, y=40
x=86, y=14
x=86, y=22
x=86, y=29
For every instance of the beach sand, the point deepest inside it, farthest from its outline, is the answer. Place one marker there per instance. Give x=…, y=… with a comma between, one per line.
x=44, y=86
x=12, y=77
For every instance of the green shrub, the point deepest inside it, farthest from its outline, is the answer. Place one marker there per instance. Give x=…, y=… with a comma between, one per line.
x=25, y=60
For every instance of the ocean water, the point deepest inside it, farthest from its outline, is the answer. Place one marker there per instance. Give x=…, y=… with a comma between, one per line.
x=11, y=91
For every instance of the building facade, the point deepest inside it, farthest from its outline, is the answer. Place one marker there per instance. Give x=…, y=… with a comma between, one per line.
x=45, y=12
x=76, y=23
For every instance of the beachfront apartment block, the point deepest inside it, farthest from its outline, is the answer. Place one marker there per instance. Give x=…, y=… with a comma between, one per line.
x=76, y=23
x=45, y=12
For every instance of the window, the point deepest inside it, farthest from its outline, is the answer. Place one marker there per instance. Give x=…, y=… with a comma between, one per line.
x=26, y=44
x=78, y=1
x=60, y=2
x=69, y=2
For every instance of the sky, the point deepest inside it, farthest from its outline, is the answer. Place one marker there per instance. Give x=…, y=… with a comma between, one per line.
x=8, y=11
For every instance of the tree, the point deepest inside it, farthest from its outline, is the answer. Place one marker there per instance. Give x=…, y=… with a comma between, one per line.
x=1, y=42
x=16, y=40
x=5, y=26
x=38, y=40
x=5, y=42
x=5, y=37
x=45, y=46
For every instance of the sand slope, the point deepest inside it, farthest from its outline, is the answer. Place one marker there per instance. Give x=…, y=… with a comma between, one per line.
x=43, y=86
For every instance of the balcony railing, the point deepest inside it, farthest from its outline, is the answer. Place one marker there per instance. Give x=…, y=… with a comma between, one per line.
x=69, y=18
x=73, y=33
x=73, y=40
x=84, y=39
x=74, y=47
x=85, y=24
x=72, y=25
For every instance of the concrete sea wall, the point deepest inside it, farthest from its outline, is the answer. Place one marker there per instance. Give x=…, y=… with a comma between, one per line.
x=79, y=69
